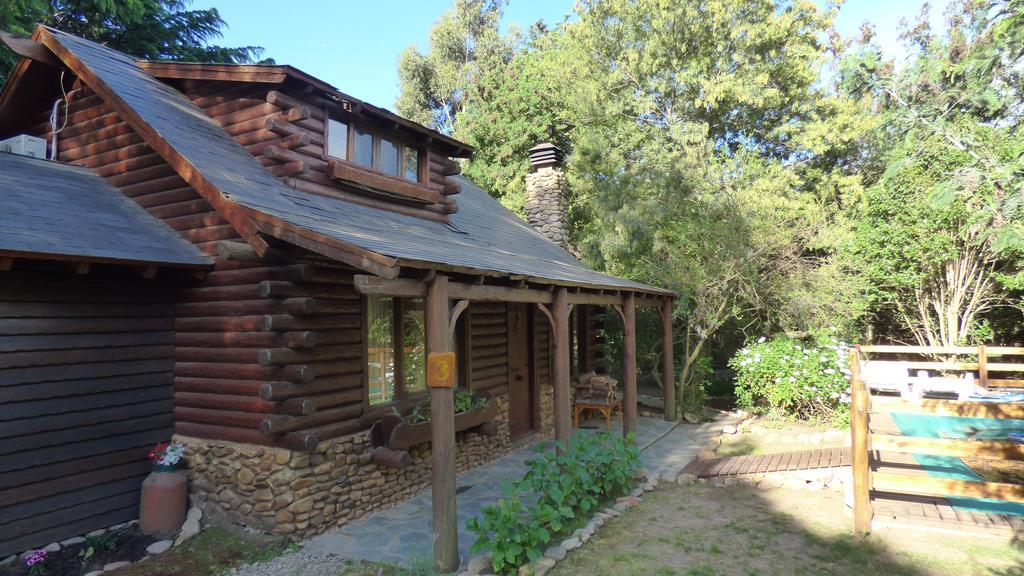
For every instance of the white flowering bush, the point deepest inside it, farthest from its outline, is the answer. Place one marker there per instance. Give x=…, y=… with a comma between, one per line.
x=785, y=376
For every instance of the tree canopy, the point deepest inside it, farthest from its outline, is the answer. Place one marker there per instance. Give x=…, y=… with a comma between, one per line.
x=151, y=29
x=777, y=176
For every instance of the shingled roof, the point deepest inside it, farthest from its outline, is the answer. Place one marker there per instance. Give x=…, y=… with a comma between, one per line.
x=59, y=211
x=483, y=237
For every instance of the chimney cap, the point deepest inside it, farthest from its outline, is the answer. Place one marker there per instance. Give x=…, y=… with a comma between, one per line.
x=546, y=154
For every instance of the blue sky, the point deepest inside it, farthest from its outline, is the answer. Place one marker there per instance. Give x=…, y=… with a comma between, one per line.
x=355, y=44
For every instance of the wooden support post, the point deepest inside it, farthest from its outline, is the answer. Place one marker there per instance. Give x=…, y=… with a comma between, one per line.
x=563, y=400
x=442, y=435
x=629, y=408
x=860, y=450
x=982, y=366
x=667, y=369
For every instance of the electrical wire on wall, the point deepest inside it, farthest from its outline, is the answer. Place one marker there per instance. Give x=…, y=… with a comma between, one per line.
x=55, y=118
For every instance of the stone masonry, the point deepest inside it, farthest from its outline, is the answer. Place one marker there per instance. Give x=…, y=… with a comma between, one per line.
x=301, y=494
x=545, y=203
x=546, y=194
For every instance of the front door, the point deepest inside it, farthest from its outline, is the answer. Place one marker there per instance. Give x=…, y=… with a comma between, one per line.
x=521, y=397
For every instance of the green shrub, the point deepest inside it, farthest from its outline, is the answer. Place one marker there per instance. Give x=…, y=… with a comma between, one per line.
x=593, y=468
x=790, y=377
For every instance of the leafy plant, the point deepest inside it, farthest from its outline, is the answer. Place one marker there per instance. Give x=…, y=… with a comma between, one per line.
x=465, y=401
x=420, y=413
x=787, y=376
x=588, y=470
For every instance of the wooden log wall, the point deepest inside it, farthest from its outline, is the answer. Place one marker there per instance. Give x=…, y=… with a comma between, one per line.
x=488, y=347
x=266, y=351
x=86, y=371
x=284, y=130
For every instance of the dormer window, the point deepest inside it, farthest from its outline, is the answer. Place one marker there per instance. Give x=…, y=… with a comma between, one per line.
x=362, y=147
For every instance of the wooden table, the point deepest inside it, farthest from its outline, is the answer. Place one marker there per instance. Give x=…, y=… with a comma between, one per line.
x=602, y=406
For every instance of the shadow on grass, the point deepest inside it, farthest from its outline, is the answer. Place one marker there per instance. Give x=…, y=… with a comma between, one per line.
x=707, y=531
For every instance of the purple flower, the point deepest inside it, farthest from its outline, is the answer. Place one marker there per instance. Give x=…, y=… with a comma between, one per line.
x=35, y=557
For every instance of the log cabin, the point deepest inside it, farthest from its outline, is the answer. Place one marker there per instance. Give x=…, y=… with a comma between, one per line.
x=276, y=273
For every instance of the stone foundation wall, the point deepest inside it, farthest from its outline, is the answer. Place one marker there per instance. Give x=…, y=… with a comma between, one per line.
x=303, y=494
x=546, y=405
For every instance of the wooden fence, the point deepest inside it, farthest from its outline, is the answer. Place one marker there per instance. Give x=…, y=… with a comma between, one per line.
x=869, y=443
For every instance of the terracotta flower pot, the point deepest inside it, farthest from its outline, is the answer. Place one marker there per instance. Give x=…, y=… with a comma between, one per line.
x=164, y=502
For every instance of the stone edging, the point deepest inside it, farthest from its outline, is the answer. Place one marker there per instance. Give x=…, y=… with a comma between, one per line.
x=481, y=565
x=189, y=529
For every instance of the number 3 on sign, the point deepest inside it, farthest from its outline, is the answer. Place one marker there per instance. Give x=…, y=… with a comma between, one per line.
x=441, y=369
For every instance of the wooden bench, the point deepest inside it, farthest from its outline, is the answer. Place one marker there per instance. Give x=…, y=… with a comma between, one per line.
x=595, y=405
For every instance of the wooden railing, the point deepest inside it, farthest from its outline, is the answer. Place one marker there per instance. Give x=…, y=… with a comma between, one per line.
x=867, y=442
x=981, y=364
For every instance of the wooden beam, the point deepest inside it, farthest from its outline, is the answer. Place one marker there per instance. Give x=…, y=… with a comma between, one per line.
x=80, y=267
x=667, y=369
x=596, y=299
x=928, y=486
x=399, y=287
x=148, y=272
x=6, y=263
x=499, y=294
x=28, y=48
x=629, y=396
x=563, y=400
x=859, y=448
x=1010, y=411
x=988, y=449
x=457, y=311
x=242, y=252
x=442, y=435
x=333, y=249
x=341, y=170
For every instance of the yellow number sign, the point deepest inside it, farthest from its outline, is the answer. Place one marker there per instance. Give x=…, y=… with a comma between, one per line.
x=441, y=369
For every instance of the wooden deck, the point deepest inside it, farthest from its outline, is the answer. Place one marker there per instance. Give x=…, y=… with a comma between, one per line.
x=930, y=513
x=891, y=510
x=764, y=463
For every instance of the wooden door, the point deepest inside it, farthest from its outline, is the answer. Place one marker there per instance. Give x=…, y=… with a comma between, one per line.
x=521, y=411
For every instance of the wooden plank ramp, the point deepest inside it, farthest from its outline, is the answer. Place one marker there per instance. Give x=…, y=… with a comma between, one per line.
x=774, y=462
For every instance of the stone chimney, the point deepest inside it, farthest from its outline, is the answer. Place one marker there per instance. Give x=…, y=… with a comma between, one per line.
x=546, y=191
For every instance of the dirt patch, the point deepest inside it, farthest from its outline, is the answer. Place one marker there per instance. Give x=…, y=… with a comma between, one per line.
x=765, y=436
x=127, y=544
x=702, y=530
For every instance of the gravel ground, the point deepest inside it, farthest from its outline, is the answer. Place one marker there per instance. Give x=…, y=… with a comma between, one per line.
x=301, y=563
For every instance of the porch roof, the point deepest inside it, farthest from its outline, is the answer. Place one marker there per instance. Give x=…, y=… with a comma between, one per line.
x=59, y=211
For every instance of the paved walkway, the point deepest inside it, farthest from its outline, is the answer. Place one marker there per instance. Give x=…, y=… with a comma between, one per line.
x=403, y=532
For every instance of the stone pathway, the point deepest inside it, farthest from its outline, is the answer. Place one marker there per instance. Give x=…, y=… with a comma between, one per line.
x=403, y=532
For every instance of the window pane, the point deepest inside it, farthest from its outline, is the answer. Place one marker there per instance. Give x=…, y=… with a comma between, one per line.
x=412, y=164
x=380, y=349
x=414, y=365
x=363, y=153
x=389, y=157
x=337, y=139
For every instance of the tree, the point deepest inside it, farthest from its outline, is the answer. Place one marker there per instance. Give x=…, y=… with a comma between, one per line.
x=150, y=29
x=940, y=240
x=465, y=42
x=704, y=156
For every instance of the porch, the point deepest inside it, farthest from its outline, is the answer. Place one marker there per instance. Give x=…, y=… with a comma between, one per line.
x=404, y=531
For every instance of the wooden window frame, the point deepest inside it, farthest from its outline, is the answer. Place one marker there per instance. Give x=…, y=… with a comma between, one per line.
x=402, y=400
x=404, y=144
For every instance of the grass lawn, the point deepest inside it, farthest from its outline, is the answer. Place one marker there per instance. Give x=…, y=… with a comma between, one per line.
x=707, y=531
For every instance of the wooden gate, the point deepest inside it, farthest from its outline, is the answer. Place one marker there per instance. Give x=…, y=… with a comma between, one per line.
x=875, y=475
